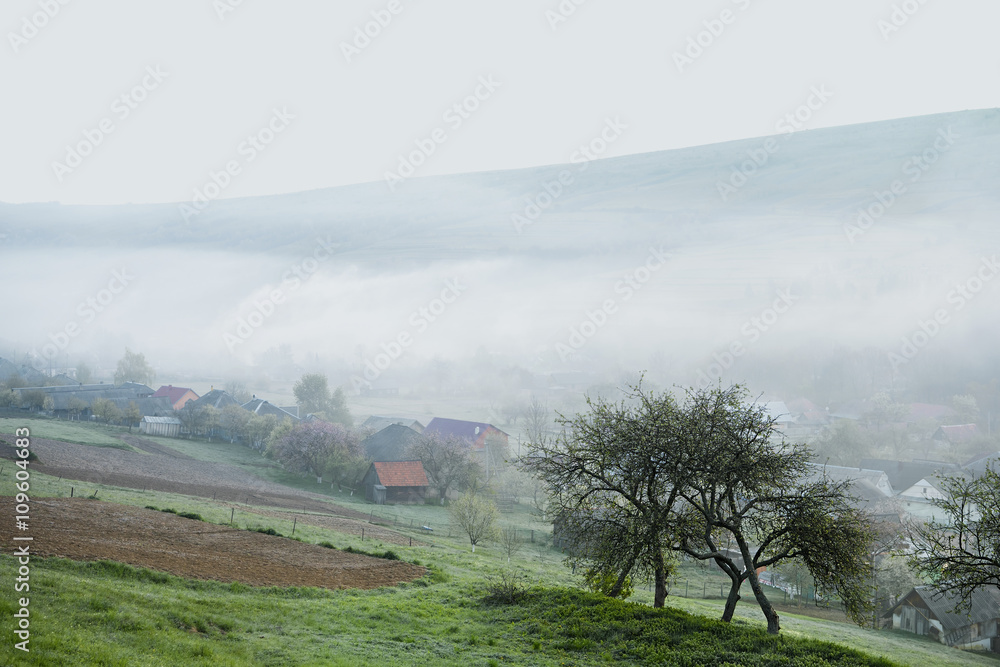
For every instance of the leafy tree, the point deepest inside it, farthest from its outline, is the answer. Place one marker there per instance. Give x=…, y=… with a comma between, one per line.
x=447, y=461
x=843, y=443
x=606, y=583
x=132, y=414
x=476, y=516
x=235, y=421
x=7, y=397
x=75, y=406
x=106, y=410
x=612, y=487
x=313, y=396
x=33, y=399
x=962, y=552
x=967, y=408
x=314, y=446
x=743, y=489
x=133, y=367
x=83, y=373
x=260, y=429
x=894, y=578
x=883, y=411
x=48, y=404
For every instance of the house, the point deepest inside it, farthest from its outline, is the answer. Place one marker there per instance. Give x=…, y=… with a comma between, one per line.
x=178, y=396
x=168, y=427
x=926, y=611
x=475, y=433
x=376, y=423
x=903, y=475
x=875, y=478
x=217, y=398
x=978, y=464
x=389, y=444
x=75, y=401
x=395, y=482
x=956, y=434
x=259, y=406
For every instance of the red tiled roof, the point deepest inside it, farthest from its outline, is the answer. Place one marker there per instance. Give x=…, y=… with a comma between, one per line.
x=959, y=432
x=173, y=393
x=401, y=473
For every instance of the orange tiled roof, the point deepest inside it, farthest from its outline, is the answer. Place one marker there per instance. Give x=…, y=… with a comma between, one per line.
x=401, y=473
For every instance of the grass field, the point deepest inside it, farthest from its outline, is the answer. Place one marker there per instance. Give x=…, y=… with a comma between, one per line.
x=82, y=433
x=111, y=614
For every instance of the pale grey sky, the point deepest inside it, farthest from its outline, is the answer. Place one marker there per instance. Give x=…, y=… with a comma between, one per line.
x=279, y=70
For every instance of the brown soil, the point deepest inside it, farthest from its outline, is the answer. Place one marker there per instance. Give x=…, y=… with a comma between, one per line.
x=83, y=529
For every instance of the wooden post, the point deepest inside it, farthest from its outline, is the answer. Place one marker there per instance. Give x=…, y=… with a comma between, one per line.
x=71, y=492
x=411, y=541
x=703, y=585
x=295, y=520
x=231, y=515
x=362, y=534
x=686, y=588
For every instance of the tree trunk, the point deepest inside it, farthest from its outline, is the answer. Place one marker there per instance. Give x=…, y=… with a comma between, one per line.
x=773, y=626
x=734, y=597
x=660, y=577
x=616, y=590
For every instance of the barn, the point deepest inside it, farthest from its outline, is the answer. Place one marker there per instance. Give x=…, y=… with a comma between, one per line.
x=168, y=427
x=926, y=611
x=395, y=482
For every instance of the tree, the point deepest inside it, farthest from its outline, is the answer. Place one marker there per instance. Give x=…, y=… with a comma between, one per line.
x=648, y=475
x=15, y=381
x=261, y=428
x=447, y=462
x=315, y=446
x=234, y=420
x=83, y=373
x=133, y=367
x=967, y=408
x=843, y=443
x=962, y=552
x=312, y=395
x=33, y=399
x=742, y=488
x=611, y=487
x=7, y=397
x=883, y=410
x=537, y=422
x=75, y=406
x=476, y=516
x=510, y=541
x=132, y=414
x=106, y=410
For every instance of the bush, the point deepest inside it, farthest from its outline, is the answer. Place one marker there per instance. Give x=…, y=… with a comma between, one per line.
x=604, y=582
x=506, y=587
x=169, y=510
x=191, y=515
x=327, y=545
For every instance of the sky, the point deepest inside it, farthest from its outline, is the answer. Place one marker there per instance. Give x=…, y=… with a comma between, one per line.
x=111, y=102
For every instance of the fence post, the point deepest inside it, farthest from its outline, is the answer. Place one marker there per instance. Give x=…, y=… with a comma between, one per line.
x=362, y=534
x=71, y=492
x=295, y=520
x=231, y=515
x=532, y=537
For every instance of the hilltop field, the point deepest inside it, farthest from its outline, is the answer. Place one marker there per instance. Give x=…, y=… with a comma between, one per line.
x=154, y=551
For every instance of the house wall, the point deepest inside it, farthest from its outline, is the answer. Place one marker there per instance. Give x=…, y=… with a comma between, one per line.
x=405, y=495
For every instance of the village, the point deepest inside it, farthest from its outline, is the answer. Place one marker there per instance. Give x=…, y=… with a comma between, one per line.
x=390, y=467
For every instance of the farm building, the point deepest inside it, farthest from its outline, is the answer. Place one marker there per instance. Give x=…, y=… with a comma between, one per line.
x=168, y=427
x=956, y=434
x=376, y=423
x=475, y=433
x=178, y=396
x=260, y=407
x=389, y=444
x=395, y=482
x=926, y=611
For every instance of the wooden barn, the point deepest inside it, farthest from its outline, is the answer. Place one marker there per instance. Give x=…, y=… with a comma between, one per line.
x=168, y=427
x=395, y=482
x=926, y=611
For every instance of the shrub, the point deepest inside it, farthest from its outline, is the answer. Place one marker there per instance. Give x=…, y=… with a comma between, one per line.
x=506, y=587
x=191, y=515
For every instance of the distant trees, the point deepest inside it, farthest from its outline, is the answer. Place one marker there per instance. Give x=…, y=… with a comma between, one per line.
x=961, y=552
x=75, y=406
x=234, y=420
x=133, y=367
x=476, y=516
x=448, y=462
x=199, y=420
x=238, y=390
x=635, y=480
x=313, y=396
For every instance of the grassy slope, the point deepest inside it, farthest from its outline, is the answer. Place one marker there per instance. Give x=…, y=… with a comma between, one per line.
x=82, y=433
x=444, y=620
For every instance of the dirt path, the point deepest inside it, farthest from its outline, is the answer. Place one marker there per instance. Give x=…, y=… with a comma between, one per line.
x=83, y=529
